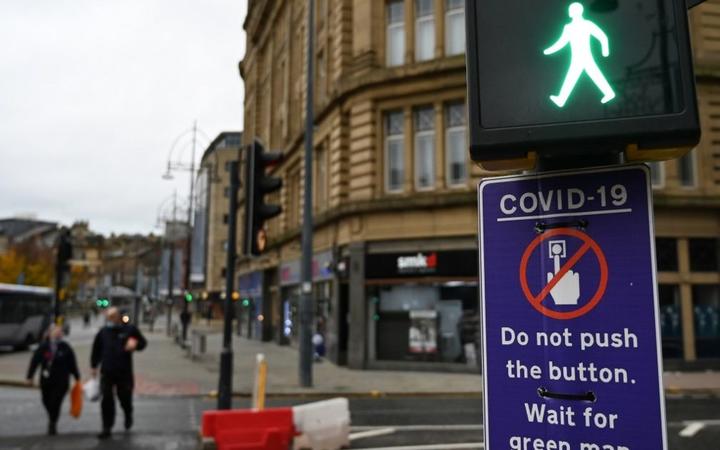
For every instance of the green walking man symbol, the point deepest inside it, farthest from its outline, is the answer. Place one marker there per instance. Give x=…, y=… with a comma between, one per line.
x=578, y=34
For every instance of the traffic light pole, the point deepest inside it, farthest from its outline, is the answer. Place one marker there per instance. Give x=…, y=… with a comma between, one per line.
x=226, y=356
x=171, y=269
x=306, y=300
x=62, y=261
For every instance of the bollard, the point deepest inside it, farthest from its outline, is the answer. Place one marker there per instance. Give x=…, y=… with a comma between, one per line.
x=258, y=400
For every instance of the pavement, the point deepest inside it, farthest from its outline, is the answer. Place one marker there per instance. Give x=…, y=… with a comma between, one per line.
x=165, y=369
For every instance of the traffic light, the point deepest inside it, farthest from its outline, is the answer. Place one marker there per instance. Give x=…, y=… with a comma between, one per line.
x=257, y=185
x=64, y=250
x=102, y=303
x=573, y=78
x=246, y=302
x=188, y=297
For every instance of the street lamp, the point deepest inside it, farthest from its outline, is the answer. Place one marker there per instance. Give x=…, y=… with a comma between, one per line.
x=175, y=165
x=170, y=242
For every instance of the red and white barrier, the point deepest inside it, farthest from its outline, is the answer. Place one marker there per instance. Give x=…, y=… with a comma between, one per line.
x=321, y=425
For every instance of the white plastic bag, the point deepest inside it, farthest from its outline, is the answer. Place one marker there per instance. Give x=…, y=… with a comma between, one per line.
x=91, y=388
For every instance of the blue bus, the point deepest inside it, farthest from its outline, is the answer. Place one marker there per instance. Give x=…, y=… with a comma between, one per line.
x=25, y=313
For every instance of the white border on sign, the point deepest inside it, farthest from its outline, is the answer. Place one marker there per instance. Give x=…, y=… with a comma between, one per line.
x=481, y=279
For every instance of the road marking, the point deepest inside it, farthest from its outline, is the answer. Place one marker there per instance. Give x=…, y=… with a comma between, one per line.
x=423, y=427
x=550, y=216
x=469, y=445
x=692, y=429
x=685, y=423
x=193, y=415
x=371, y=433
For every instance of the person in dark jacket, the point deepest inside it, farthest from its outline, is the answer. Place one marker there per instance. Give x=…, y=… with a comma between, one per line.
x=56, y=360
x=112, y=350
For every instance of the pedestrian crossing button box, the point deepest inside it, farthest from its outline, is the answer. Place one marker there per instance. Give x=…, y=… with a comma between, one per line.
x=569, y=78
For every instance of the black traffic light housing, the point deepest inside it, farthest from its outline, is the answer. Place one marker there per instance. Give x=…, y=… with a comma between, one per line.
x=257, y=185
x=64, y=250
x=513, y=69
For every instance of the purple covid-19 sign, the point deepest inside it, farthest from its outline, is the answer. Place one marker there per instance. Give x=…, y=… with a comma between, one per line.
x=571, y=354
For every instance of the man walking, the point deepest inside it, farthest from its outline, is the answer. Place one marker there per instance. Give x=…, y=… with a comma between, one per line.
x=112, y=350
x=56, y=360
x=578, y=35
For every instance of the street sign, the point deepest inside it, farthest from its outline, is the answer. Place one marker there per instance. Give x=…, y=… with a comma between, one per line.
x=570, y=331
x=570, y=78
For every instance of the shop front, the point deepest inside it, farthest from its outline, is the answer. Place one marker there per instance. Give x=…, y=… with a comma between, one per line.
x=423, y=309
x=250, y=308
x=323, y=284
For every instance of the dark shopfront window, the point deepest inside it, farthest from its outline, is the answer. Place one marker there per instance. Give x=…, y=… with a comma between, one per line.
x=434, y=322
x=670, y=321
x=706, y=317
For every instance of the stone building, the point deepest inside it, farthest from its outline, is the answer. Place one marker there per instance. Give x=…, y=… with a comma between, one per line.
x=210, y=229
x=395, y=265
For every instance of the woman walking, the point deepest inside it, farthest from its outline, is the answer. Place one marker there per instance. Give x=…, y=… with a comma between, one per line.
x=57, y=362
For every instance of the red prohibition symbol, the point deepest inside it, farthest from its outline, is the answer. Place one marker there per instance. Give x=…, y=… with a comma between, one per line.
x=588, y=245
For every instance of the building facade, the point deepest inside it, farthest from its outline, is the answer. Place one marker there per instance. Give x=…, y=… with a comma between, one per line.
x=395, y=242
x=210, y=228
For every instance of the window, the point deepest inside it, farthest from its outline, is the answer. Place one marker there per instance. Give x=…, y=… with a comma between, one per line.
x=686, y=169
x=294, y=199
x=395, y=33
x=455, y=147
x=703, y=255
x=454, y=27
x=320, y=178
x=226, y=218
x=322, y=77
x=424, y=30
x=232, y=141
x=706, y=317
x=322, y=11
x=424, y=148
x=225, y=245
x=670, y=321
x=667, y=254
x=394, y=152
x=226, y=191
x=657, y=174
x=223, y=273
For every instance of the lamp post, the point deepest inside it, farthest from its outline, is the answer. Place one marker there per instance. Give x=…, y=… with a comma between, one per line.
x=175, y=165
x=170, y=244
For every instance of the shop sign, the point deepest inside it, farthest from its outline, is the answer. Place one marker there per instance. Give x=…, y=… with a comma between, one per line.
x=423, y=263
x=250, y=284
x=322, y=268
x=447, y=264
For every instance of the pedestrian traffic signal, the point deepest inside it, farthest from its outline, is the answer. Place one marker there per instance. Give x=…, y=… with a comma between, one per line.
x=574, y=78
x=257, y=185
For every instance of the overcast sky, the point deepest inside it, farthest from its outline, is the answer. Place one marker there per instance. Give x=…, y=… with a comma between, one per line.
x=93, y=93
